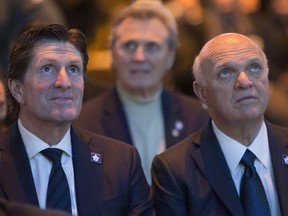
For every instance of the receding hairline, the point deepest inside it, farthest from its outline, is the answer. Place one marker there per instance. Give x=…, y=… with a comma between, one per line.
x=145, y=10
x=155, y=7
x=214, y=47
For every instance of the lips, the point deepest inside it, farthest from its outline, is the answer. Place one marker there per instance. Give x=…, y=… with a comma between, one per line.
x=139, y=71
x=246, y=98
x=62, y=100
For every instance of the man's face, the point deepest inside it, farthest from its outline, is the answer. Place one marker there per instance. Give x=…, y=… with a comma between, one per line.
x=141, y=55
x=53, y=85
x=237, y=81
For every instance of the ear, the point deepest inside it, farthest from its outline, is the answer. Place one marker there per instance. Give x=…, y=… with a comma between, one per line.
x=201, y=93
x=16, y=89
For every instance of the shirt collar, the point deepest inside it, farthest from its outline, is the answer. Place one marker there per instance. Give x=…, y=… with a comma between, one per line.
x=34, y=144
x=234, y=151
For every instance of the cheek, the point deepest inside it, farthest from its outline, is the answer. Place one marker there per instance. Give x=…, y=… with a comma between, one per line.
x=219, y=95
x=78, y=88
x=120, y=60
x=35, y=97
x=80, y=91
x=160, y=67
x=32, y=91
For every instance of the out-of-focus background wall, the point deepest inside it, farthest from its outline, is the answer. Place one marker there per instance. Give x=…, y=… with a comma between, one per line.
x=265, y=21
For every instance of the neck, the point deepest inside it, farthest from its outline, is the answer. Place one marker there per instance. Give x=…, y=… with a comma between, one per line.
x=140, y=92
x=50, y=133
x=243, y=132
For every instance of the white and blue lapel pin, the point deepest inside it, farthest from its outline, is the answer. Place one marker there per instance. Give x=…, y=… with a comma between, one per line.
x=285, y=159
x=96, y=158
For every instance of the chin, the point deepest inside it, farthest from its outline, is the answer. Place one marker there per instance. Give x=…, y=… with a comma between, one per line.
x=65, y=117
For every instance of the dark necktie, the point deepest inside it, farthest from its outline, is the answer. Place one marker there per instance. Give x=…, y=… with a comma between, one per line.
x=58, y=195
x=252, y=193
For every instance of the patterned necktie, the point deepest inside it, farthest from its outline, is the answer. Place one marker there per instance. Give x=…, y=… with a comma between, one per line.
x=252, y=193
x=58, y=195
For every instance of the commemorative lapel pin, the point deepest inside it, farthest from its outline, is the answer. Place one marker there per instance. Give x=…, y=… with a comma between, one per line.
x=285, y=159
x=96, y=158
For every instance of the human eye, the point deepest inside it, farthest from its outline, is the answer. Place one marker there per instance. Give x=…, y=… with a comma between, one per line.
x=255, y=69
x=47, y=69
x=129, y=46
x=74, y=70
x=152, y=47
x=225, y=73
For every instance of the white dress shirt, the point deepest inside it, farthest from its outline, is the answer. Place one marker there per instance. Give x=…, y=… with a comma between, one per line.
x=41, y=166
x=234, y=151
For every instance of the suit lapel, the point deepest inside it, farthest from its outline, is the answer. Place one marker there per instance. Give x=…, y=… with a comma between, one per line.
x=278, y=143
x=88, y=176
x=115, y=123
x=206, y=156
x=174, y=122
x=15, y=173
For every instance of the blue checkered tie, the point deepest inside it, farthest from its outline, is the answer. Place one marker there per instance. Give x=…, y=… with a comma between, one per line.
x=58, y=195
x=252, y=193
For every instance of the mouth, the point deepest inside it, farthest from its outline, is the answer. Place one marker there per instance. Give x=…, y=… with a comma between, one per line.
x=246, y=99
x=140, y=71
x=62, y=100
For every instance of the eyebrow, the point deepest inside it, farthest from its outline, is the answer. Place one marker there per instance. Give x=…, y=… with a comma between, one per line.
x=54, y=60
x=234, y=63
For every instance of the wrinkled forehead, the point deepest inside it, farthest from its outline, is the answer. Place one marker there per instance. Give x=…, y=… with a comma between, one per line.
x=55, y=48
x=229, y=47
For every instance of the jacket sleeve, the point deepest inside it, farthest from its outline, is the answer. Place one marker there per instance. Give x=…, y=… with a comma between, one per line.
x=140, y=195
x=167, y=193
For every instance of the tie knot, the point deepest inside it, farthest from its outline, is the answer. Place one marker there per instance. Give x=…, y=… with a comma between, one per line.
x=52, y=154
x=248, y=158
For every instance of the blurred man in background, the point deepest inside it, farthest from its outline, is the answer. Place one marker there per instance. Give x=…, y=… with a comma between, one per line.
x=139, y=110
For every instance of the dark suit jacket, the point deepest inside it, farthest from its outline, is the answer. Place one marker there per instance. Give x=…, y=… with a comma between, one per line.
x=116, y=186
x=16, y=209
x=193, y=178
x=105, y=115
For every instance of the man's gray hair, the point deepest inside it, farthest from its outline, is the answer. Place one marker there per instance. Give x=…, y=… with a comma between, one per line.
x=147, y=9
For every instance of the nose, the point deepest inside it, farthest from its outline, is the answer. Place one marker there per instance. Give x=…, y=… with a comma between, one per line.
x=139, y=54
x=243, y=81
x=62, y=80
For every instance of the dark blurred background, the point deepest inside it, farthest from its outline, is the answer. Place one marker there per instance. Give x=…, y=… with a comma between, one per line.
x=265, y=21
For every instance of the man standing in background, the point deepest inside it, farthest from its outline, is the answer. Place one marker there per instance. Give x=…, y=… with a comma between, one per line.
x=140, y=110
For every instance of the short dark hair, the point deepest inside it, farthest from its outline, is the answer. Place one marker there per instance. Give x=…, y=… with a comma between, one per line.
x=22, y=52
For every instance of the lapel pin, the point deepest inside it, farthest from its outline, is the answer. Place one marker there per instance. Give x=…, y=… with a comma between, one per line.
x=95, y=158
x=175, y=132
x=285, y=159
x=178, y=126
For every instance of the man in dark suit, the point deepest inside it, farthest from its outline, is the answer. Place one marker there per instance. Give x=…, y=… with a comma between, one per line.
x=205, y=174
x=139, y=111
x=16, y=209
x=46, y=82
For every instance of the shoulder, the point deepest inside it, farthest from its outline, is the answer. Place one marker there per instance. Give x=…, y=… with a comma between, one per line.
x=102, y=142
x=177, y=161
x=182, y=150
x=98, y=101
x=9, y=135
x=174, y=95
x=277, y=131
x=113, y=153
x=94, y=109
x=183, y=101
